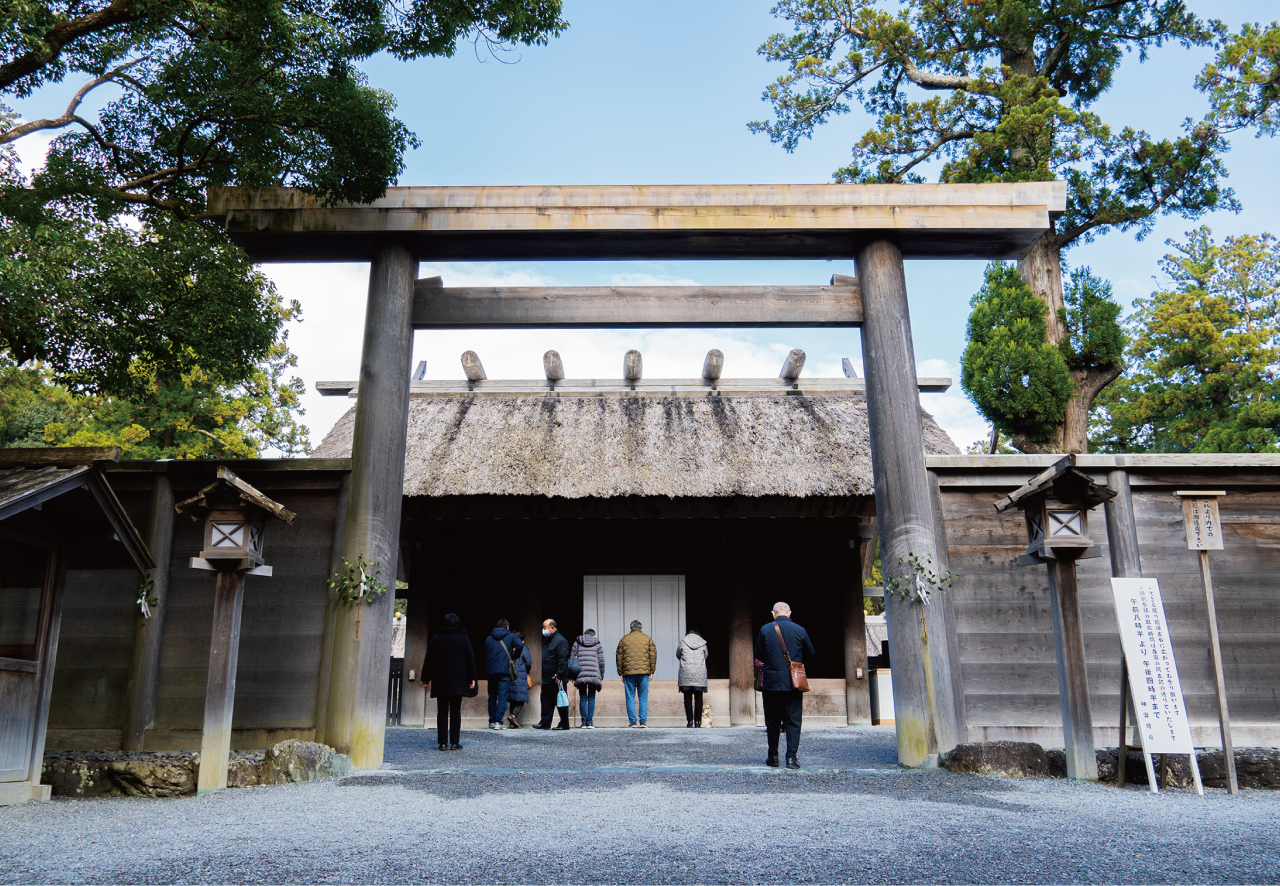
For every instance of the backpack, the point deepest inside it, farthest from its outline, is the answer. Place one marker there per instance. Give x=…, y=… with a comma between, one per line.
x=573, y=667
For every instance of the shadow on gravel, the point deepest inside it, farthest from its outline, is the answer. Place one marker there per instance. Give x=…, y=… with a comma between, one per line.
x=966, y=791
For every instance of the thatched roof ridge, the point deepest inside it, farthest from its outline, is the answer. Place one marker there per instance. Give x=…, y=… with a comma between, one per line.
x=649, y=446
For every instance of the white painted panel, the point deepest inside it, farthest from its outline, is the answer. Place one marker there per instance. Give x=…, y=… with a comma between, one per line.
x=611, y=602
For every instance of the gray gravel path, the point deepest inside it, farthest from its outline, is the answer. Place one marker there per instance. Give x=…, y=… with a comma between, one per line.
x=652, y=823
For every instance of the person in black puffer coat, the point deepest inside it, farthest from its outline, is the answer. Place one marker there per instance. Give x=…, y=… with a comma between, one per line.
x=555, y=655
x=520, y=688
x=450, y=670
x=589, y=652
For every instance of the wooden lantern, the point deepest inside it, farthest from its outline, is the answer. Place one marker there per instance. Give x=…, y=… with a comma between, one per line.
x=233, y=533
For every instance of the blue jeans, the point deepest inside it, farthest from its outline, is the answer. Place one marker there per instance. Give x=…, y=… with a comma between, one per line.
x=587, y=703
x=634, y=685
x=499, y=689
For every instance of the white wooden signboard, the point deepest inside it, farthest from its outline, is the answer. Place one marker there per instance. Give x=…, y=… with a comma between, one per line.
x=1201, y=520
x=1153, y=676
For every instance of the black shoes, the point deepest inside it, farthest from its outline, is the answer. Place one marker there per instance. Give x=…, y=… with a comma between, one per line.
x=792, y=762
x=563, y=726
x=690, y=724
x=772, y=761
x=458, y=747
x=444, y=747
x=540, y=726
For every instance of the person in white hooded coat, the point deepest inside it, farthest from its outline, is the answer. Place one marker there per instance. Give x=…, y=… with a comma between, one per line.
x=692, y=679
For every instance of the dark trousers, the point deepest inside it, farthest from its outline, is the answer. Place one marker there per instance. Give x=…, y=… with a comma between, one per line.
x=499, y=689
x=783, y=710
x=449, y=719
x=550, y=688
x=693, y=705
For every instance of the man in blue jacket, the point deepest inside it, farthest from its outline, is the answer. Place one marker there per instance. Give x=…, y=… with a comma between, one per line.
x=783, y=704
x=501, y=648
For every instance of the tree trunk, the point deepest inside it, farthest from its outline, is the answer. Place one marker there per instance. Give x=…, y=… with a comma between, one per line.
x=1042, y=271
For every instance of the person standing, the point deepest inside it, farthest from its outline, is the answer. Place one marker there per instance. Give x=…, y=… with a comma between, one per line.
x=501, y=648
x=589, y=652
x=555, y=655
x=637, y=660
x=692, y=678
x=450, y=670
x=519, y=696
x=783, y=704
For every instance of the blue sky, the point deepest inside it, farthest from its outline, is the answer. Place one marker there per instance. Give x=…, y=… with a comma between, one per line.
x=660, y=93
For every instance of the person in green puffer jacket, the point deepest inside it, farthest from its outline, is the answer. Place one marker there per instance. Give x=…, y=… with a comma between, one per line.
x=637, y=660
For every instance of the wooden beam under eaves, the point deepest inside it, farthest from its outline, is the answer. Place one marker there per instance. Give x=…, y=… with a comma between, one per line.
x=628, y=307
x=647, y=387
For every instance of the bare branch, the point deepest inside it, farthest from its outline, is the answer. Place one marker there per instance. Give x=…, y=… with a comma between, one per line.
x=69, y=116
x=926, y=80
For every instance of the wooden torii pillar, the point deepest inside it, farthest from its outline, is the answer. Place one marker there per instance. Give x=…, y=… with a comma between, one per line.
x=878, y=224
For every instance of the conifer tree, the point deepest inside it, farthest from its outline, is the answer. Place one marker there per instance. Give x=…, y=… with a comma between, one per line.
x=1002, y=91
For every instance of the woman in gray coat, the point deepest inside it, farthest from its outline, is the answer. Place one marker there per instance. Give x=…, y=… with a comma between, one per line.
x=589, y=652
x=692, y=678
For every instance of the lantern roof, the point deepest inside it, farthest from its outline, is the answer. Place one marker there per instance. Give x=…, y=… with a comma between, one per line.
x=200, y=503
x=1062, y=481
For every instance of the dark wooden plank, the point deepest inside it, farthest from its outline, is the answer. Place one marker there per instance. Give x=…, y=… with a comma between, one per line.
x=144, y=675
x=66, y=456
x=623, y=307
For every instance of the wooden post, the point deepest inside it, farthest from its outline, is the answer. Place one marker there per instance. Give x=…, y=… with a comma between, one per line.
x=1073, y=684
x=713, y=365
x=220, y=691
x=47, y=643
x=632, y=365
x=472, y=366
x=742, y=690
x=553, y=366
x=331, y=612
x=856, y=681
x=1219, y=681
x=1122, y=527
x=356, y=719
x=948, y=603
x=144, y=673
x=926, y=726
x=413, y=702
x=793, y=365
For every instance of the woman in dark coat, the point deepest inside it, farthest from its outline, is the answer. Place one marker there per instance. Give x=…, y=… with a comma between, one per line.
x=519, y=696
x=450, y=669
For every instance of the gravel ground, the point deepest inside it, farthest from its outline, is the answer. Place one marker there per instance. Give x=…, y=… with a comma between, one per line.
x=559, y=818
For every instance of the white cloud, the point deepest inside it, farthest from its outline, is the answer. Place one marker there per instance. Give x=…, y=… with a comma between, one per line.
x=32, y=150
x=648, y=280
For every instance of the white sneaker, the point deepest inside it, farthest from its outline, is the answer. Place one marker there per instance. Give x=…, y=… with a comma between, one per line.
x=497, y=726
x=591, y=725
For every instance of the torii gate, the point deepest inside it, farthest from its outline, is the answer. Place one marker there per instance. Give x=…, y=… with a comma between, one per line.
x=876, y=225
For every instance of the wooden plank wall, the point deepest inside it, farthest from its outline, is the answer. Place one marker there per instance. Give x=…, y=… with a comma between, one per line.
x=1006, y=634
x=282, y=623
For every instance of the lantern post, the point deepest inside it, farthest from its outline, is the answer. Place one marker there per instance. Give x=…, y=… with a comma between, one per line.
x=235, y=516
x=1056, y=506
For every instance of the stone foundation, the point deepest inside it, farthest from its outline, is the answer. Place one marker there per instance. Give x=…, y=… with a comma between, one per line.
x=174, y=773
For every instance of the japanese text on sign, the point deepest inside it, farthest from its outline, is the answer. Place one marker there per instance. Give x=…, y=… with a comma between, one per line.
x=1153, y=676
x=1200, y=516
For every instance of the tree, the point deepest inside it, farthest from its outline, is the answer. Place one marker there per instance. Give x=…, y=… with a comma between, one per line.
x=108, y=258
x=1205, y=354
x=1001, y=90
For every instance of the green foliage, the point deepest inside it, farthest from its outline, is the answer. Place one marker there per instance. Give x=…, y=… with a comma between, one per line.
x=354, y=584
x=402, y=603
x=1091, y=317
x=1019, y=382
x=1243, y=82
x=874, y=605
x=993, y=90
x=197, y=415
x=109, y=257
x=917, y=580
x=1205, y=352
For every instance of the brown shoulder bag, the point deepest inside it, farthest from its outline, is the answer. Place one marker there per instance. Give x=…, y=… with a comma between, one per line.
x=799, y=679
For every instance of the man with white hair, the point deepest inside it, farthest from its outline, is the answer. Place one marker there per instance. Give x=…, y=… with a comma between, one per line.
x=780, y=640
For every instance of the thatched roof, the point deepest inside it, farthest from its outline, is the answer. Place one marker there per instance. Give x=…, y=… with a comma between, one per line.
x=648, y=446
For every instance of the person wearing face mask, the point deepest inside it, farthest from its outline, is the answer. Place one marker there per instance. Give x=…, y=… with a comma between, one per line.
x=555, y=655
